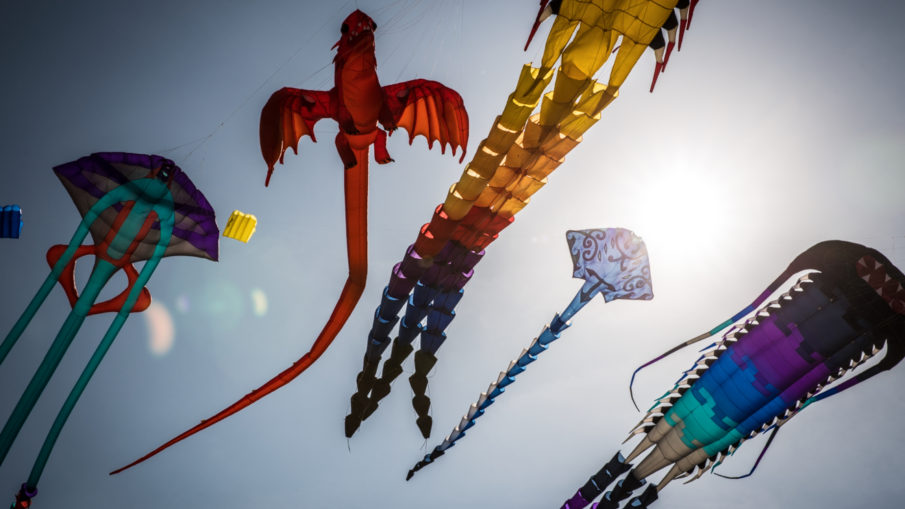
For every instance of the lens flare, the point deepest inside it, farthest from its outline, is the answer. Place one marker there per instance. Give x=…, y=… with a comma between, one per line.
x=259, y=302
x=160, y=329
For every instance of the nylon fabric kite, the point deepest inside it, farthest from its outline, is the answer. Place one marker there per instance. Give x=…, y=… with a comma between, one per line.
x=613, y=262
x=765, y=369
x=361, y=106
x=136, y=208
x=508, y=167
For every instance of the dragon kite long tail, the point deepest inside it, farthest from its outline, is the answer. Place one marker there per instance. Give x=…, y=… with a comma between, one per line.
x=360, y=105
x=356, y=185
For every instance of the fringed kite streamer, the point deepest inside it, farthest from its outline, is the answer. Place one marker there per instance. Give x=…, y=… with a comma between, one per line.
x=766, y=369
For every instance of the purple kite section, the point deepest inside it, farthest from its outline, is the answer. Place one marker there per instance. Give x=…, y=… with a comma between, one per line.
x=95, y=175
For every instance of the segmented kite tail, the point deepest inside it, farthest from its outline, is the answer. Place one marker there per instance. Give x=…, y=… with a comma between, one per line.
x=748, y=309
x=435, y=295
x=364, y=382
x=495, y=389
x=436, y=305
x=417, y=307
x=477, y=225
x=453, y=268
x=424, y=362
x=392, y=368
x=645, y=499
x=396, y=294
x=385, y=318
x=622, y=490
x=356, y=189
x=598, y=482
x=443, y=229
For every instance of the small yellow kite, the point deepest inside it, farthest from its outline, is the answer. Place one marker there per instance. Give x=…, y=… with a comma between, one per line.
x=240, y=226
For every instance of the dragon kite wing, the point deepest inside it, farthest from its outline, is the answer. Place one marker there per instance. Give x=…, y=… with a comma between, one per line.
x=428, y=108
x=289, y=114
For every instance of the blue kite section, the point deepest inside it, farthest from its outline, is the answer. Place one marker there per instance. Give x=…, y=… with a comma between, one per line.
x=10, y=222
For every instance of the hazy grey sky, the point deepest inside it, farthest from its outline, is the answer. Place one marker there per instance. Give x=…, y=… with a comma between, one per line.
x=779, y=125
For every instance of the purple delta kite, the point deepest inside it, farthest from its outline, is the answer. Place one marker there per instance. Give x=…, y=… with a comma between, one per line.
x=613, y=262
x=765, y=369
x=137, y=208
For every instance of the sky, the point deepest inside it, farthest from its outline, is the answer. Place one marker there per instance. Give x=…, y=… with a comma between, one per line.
x=779, y=125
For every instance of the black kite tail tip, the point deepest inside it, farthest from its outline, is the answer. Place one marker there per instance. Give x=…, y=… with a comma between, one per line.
x=410, y=475
x=351, y=424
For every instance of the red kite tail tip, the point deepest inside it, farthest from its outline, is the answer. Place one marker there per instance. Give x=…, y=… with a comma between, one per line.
x=530, y=37
x=669, y=48
x=691, y=13
x=269, y=174
x=463, y=156
x=118, y=470
x=657, y=71
x=537, y=21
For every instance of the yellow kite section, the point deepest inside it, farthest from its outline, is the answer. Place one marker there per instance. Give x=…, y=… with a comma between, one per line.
x=240, y=226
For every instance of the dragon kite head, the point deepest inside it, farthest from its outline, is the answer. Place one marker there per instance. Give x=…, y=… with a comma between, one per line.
x=358, y=28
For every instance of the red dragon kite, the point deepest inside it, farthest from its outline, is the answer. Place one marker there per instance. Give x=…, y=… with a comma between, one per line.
x=365, y=112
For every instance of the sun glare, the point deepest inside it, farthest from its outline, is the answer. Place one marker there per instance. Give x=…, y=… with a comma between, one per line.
x=683, y=209
x=160, y=329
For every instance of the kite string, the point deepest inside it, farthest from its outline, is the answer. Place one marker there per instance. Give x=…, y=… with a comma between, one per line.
x=398, y=24
x=204, y=139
